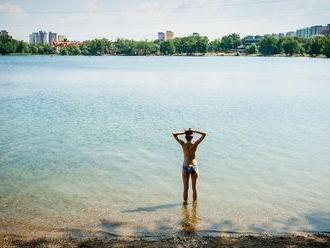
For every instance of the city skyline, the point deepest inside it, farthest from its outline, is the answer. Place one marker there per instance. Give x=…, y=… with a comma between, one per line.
x=88, y=19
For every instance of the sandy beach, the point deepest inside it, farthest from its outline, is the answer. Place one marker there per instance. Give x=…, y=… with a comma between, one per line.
x=320, y=240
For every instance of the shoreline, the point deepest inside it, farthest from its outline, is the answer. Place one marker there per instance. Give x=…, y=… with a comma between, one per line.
x=192, y=240
x=174, y=55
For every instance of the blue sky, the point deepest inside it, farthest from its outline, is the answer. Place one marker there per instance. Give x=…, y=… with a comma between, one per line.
x=142, y=19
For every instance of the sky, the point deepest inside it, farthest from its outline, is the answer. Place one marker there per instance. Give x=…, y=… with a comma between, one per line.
x=143, y=19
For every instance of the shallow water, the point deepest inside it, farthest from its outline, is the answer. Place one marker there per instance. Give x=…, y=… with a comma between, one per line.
x=85, y=143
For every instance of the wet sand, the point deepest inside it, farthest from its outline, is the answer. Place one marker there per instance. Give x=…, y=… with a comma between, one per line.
x=272, y=241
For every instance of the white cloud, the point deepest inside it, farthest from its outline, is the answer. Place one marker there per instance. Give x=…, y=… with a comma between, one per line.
x=9, y=8
x=92, y=4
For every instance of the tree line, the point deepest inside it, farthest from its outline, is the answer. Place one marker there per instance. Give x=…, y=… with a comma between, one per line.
x=267, y=45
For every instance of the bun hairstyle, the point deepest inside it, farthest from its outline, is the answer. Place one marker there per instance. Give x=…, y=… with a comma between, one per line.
x=188, y=134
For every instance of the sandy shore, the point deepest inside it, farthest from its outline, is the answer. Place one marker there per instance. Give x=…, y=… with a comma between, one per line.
x=178, y=241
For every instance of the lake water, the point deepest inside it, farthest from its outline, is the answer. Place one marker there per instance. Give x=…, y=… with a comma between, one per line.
x=85, y=144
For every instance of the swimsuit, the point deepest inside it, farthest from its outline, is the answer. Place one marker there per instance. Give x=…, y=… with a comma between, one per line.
x=190, y=169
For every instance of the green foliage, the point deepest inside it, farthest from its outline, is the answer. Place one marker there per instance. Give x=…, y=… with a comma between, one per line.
x=253, y=49
x=291, y=46
x=326, y=47
x=301, y=51
x=48, y=49
x=125, y=47
x=64, y=51
x=22, y=47
x=146, y=48
x=190, y=45
x=215, y=45
x=73, y=50
x=7, y=45
x=97, y=47
x=315, y=46
x=229, y=42
x=268, y=45
x=33, y=49
x=167, y=47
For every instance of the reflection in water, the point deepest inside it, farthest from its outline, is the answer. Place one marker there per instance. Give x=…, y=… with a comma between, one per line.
x=189, y=218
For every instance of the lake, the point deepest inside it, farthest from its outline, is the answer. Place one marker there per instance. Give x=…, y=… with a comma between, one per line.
x=86, y=144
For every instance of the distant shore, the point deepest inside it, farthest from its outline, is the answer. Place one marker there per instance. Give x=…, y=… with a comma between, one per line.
x=174, y=55
x=262, y=240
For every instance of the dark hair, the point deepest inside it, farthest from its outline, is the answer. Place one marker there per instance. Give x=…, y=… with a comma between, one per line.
x=189, y=137
x=188, y=132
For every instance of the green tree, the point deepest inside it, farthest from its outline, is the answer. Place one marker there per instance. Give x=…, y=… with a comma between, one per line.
x=191, y=44
x=315, y=47
x=268, y=45
x=326, y=47
x=202, y=44
x=301, y=50
x=125, y=47
x=290, y=46
x=229, y=42
x=226, y=43
x=167, y=47
x=279, y=45
x=145, y=47
x=48, y=49
x=253, y=49
x=215, y=45
x=22, y=47
x=64, y=51
x=41, y=49
x=33, y=49
x=7, y=44
x=236, y=40
x=98, y=47
x=179, y=45
x=73, y=50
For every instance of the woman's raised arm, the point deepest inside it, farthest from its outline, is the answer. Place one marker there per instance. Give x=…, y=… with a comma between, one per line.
x=175, y=135
x=203, y=134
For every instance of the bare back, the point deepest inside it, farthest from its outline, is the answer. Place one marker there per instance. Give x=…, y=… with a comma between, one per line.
x=189, y=148
x=189, y=153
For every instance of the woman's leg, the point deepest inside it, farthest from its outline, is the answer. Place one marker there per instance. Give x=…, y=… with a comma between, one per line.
x=194, y=180
x=185, y=180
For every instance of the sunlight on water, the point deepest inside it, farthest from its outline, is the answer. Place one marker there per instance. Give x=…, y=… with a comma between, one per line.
x=85, y=142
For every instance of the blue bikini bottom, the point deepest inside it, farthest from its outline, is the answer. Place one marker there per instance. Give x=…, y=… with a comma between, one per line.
x=190, y=169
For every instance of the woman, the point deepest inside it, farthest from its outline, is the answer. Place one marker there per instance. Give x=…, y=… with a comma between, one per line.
x=189, y=163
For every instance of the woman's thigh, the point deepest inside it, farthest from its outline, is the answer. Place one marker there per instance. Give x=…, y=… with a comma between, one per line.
x=194, y=180
x=185, y=179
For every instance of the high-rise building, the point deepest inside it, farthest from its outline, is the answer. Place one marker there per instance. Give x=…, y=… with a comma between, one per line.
x=311, y=31
x=161, y=36
x=290, y=34
x=38, y=38
x=4, y=33
x=281, y=35
x=169, y=35
x=316, y=30
x=52, y=37
x=326, y=30
x=42, y=37
x=304, y=32
x=33, y=38
x=61, y=38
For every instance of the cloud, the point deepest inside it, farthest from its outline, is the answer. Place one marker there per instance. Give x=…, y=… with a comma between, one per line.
x=9, y=8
